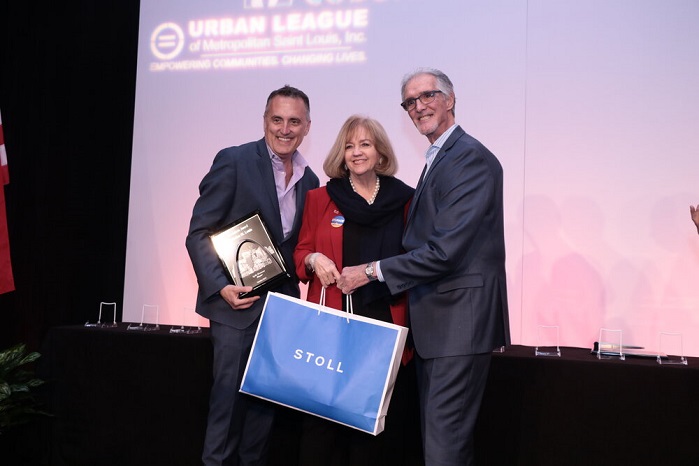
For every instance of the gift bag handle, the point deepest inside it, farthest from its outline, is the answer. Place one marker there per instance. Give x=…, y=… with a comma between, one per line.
x=348, y=298
x=348, y=304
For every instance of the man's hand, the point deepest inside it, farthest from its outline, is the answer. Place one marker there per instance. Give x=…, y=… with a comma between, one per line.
x=694, y=211
x=231, y=293
x=352, y=278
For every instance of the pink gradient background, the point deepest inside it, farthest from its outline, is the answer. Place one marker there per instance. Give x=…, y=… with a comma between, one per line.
x=592, y=107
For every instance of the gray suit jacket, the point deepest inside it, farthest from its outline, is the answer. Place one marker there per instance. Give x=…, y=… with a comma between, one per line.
x=454, y=267
x=240, y=181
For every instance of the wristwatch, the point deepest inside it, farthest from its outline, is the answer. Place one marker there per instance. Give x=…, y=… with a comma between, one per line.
x=369, y=271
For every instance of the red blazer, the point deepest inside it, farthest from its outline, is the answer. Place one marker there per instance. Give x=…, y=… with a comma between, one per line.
x=319, y=233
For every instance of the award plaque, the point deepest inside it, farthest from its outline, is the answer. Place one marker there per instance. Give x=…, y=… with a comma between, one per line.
x=249, y=254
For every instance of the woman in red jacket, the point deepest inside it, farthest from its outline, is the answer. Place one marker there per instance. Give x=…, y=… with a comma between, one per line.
x=356, y=218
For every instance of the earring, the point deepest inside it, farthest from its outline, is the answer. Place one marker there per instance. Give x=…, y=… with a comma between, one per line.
x=345, y=165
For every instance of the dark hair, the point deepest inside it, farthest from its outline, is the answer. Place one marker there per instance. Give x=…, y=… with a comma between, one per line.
x=288, y=91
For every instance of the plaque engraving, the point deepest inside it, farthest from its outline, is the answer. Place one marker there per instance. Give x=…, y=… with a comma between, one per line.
x=249, y=255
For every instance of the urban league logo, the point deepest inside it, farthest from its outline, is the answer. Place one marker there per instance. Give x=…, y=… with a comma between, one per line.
x=256, y=4
x=167, y=41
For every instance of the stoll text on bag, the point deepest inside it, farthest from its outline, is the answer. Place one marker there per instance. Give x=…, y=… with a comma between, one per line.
x=325, y=362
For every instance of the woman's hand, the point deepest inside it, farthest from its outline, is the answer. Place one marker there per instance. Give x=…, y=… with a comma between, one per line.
x=323, y=267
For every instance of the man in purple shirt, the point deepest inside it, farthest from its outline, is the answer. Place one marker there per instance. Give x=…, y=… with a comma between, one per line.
x=269, y=176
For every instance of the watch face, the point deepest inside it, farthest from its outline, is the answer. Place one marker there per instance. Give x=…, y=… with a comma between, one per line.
x=369, y=271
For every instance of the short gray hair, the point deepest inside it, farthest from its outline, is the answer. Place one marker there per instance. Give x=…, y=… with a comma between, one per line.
x=444, y=84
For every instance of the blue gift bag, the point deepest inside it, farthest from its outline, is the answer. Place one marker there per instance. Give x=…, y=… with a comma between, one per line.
x=325, y=362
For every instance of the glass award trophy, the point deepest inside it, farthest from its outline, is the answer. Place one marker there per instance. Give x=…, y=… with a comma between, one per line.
x=609, y=345
x=249, y=255
x=547, y=341
x=670, y=343
x=99, y=323
x=186, y=329
x=149, y=313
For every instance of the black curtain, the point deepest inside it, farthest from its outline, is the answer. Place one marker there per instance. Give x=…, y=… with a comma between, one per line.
x=67, y=86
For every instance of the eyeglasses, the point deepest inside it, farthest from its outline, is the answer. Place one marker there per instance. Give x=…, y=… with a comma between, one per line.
x=426, y=98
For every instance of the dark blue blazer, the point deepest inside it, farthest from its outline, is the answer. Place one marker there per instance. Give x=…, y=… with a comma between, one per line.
x=454, y=267
x=240, y=181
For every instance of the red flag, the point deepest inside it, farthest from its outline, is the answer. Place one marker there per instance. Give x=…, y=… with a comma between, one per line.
x=7, y=282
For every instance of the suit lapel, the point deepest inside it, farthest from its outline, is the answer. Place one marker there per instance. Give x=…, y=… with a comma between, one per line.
x=264, y=165
x=418, y=190
x=424, y=178
x=300, y=188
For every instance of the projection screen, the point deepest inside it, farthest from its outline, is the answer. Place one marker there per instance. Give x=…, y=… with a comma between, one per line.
x=592, y=108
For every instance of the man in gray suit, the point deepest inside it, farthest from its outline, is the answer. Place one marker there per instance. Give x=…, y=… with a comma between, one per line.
x=270, y=176
x=453, y=269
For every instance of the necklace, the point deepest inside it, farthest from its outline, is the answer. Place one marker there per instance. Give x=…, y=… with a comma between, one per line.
x=371, y=200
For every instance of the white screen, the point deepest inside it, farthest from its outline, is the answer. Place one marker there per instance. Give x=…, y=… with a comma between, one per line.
x=592, y=108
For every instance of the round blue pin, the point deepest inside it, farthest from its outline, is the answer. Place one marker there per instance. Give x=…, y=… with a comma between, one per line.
x=337, y=221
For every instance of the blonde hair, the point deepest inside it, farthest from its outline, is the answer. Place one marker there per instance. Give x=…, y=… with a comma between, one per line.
x=334, y=164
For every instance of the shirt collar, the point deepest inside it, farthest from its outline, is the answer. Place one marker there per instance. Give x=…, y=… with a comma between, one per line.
x=443, y=138
x=437, y=145
x=297, y=160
